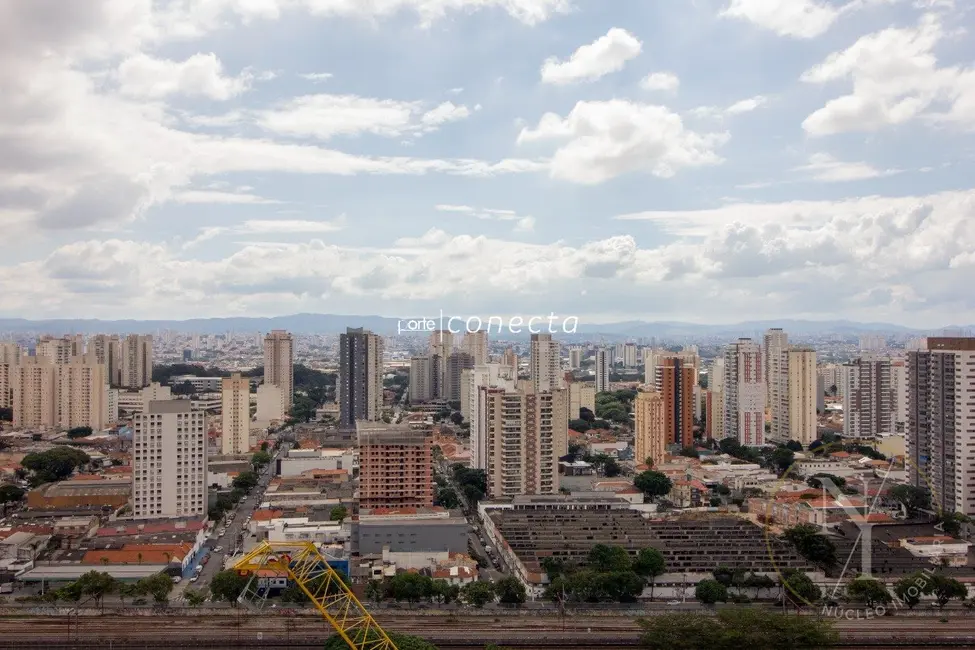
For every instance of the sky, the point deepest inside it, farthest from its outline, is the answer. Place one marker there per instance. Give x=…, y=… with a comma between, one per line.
x=709, y=161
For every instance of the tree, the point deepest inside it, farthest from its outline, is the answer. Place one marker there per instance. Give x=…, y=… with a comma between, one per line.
x=245, y=481
x=6, y=414
x=194, y=597
x=552, y=566
x=411, y=587
x=303, y=409
x=579, y=425
x=799, y=589
x=816, y=481
x=812, y=545
x=457, y=418
x=339, y=514
x=228, y=586
x=54, y=464
x=710, y=592
x=375, y=591
x=97, y=585
x=447, y=498
x=478, y=593
x=794, y=445
x=783, y=458
x=909, y=589
x=737, y=627
x=444, y=592
x=653, y=484
x=944, y=589
x=402, y=641
x=611, y=468
x=11, y=493
x=690, y=452
x=510, y=590
x=649, y=564
x=603, y=558
x=621, y=586
x=868, y=591
x=261, y=459
x=587, y=415
x=79, y=432
x=158, y=586
x=950, y=522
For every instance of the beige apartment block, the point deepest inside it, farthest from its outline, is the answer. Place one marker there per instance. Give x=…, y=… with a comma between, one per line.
x=10, y=355
x=476, y=345
x=279, y=366
x=236, y=414
x=108, y=352
x=546, y=364
x=524, y=434
x=169, y=461
x=650, y=426
x=581, y=395
x=82, y=393
x=801, y=390
x=136, y=361
x=35, y=393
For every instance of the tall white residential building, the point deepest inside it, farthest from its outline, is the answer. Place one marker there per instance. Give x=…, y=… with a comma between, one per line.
x=169, y=461
x=279, y=366
x=424, y=378
x=82, y=393
x=873, y=343
x=136, y=361
x=651, y=359
x=525, y=433
x=604, y=364
x=476, y=345
x=236, y=414
x=744, y=393
x=575, y=357
x=630, y=355
x=775, y=343
x=10, y=355
x=801, y=390
x=491, y=375
x=268, y=405
x=832, y=375
x=868, y=400
x=155, y=392
x=546, y=363
x=715, y=400
x=941, y=422
x=107, y=350
x=899, y=384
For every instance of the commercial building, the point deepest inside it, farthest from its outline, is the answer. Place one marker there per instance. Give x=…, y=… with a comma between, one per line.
x=744, y=393
x=279, y=367
x=395, y=466
x=868, y=397
x=546, y=365
x=941, y=422
x=299, y=461
x=360, y=381
x=523, y=434
x=81, y=495
x=650, y=437
x=236, y=414
x=423, y=531
x=169, y=461
x=135, y=364
x=604, y=365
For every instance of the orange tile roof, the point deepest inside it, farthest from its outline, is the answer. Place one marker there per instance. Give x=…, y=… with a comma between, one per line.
x=132, y=556
x=87, y=477
x=266, y=515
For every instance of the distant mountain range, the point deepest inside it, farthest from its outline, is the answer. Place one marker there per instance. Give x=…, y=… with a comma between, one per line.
x=334, y=324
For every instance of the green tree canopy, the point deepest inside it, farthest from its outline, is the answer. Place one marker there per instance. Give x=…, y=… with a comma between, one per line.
x=339, y=513
x=603, y=558
x=245, y=481
x=812, y=545
x=910, y=588
x=710, y=592
x=653, y=484
x=799, y=589
x=944, y=589
x=816, y=482
x=228, y=586
x=54, y=464
x=510, y=590
x=80, y=432
x=478, y=593
x=735, y=628
x=158, y=586
x=402, y=641
x=914, y=499
x=869, y=591
x=11, y=493
x=261, y=459
x=648, y=565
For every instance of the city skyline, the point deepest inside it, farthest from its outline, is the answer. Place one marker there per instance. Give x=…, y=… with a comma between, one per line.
x=716, y=157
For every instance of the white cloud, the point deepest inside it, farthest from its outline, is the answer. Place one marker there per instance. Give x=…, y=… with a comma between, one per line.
x=327, y=116
x=290, y=226
x=747, y=260
x=896, y=79
x=796, y=18
x=203, y=196
x=525, y=224
x=201, y=74
x=455, y=208
x=825, y=168
x=746, y=105
x=603, y=140
x=607, y=54
x=522, y=224
x=316, y=77
x=664, y=81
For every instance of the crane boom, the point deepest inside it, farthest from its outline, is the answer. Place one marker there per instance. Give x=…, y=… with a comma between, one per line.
x=323, y=586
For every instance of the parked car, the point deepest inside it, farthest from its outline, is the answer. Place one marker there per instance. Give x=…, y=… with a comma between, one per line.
x=195, y=578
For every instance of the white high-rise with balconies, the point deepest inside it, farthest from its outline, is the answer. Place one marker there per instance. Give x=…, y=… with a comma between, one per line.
x=868, y=397
x=236, y=414
x=775, y=344
x=490, y=375
x=546, y=363
x=476, y=345
x=279, y=366
x=744, y=393
x=136, y=361
x=169, y=461
x=10, y=356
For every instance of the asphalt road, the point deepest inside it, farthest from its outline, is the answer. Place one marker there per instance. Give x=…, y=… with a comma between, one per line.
x=233, y=539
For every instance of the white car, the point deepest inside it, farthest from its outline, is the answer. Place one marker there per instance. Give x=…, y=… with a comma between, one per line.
x=195, y=578
x=673, y=602
x=177, y=580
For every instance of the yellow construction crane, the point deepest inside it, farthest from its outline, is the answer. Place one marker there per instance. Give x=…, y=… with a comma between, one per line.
x=321, y=584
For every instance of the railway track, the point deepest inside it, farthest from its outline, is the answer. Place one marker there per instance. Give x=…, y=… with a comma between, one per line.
x=251, y=629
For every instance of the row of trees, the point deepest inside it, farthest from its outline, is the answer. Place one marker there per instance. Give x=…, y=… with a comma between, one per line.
x=735, y=628
x=414, y=588
x=95, y=585
x=54, y=464
x=609, y=574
